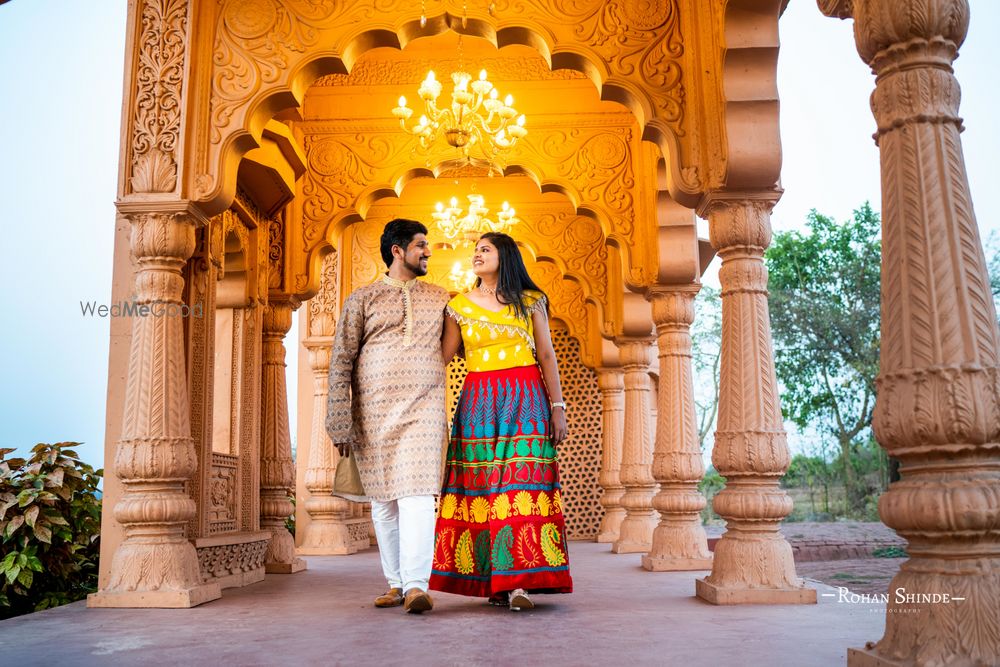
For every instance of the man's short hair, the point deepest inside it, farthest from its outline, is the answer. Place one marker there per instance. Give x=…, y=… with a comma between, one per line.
x=399, y=232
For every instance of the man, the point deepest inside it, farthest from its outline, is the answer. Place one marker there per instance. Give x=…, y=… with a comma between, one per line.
x=386, y=407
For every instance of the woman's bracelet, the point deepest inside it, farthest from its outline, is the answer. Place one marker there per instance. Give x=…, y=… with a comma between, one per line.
x=559, y=404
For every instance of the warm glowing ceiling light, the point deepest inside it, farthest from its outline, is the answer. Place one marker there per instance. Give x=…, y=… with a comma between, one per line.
x=457, y=224
x=476, y=122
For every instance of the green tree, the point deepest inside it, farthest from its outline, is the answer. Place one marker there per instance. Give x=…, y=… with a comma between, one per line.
x=824, y=287
x=991, y=246
x=706, y=352
x=812, y=473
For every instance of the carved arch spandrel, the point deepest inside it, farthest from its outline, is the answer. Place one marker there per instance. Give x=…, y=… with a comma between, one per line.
x=569, y=303
x=267, y=52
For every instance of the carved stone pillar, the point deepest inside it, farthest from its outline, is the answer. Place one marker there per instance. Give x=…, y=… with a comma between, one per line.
x=679, y=542
x=277, y=472
x=612, y=384
x=937, y=407
x=753, y=561
x=156, y=565
x=327, y=532
x=636, y=532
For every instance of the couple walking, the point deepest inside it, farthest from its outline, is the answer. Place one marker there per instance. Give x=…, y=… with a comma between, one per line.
x=498, y=532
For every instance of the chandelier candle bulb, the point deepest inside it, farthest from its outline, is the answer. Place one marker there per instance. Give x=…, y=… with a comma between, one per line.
x=402, y=112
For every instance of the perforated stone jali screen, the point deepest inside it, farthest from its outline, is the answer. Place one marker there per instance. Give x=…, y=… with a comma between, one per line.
x=580, y=454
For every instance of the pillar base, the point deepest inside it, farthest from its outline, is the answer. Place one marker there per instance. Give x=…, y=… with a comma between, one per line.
x=240, y=579
x=297, y=565
x=868, y=657
x=610, y=529
x=666, y=564
x=631, y=547
x=343, y=550
x=719, y=595
x=168, y=599
x=328, y=539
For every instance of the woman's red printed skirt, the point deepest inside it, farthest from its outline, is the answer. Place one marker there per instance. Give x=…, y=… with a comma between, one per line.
x=500, y=522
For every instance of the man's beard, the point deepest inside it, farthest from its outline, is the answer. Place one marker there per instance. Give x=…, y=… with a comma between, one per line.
x=417, y=269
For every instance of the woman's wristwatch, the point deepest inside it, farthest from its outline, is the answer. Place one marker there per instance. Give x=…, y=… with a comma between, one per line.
x=559, y=404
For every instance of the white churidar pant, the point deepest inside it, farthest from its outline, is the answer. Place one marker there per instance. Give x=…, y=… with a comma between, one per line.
x=405, y=532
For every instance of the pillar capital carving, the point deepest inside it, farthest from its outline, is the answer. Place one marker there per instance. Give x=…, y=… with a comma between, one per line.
x=841, y=9
x=634, y=353
x=278, y=317
x=610, y=379
x=739, y=219
x=672, y=306
x=319, y=348
x=889, y=33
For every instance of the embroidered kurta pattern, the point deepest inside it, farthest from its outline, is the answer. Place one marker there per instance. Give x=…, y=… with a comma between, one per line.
x=387, y=386
x=500, y=523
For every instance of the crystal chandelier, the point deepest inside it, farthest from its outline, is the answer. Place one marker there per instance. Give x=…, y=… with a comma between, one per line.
x=468, y=226
x=477, y=119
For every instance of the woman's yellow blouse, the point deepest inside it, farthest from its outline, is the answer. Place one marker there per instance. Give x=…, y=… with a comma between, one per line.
x=496, y=340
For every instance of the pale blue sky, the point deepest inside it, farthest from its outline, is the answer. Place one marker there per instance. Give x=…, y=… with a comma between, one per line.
x=61, y=84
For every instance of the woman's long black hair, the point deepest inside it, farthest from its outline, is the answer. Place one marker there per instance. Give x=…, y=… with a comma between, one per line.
x=512, y=277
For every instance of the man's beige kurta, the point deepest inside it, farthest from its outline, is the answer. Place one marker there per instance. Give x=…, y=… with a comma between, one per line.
x=387, y=386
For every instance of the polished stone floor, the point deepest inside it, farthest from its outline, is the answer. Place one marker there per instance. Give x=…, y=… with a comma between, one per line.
x=618, y=615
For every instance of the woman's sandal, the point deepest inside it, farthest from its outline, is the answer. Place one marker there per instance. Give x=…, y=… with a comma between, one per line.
x=519, y=600
x=499, y=600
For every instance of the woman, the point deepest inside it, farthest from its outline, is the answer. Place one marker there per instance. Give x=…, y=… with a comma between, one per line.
x=500, y=531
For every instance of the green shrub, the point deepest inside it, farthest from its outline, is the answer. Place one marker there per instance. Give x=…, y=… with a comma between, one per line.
x=710, y=485
x=50, y=521
x=890, y=552
x=290, y=519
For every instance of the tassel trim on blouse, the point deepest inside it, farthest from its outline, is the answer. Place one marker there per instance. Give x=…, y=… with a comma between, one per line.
x=509, y=329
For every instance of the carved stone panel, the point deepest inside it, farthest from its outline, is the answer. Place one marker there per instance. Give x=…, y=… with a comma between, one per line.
x=223, y=491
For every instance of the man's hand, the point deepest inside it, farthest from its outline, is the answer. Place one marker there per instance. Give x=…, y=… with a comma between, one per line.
x=558, y=429
x=344, y=448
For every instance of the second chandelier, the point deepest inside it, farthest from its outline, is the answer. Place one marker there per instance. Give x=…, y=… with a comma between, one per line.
x=464, y=227
x=477, y=122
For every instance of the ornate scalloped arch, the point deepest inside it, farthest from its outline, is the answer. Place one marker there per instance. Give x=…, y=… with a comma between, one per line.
x=266, y=53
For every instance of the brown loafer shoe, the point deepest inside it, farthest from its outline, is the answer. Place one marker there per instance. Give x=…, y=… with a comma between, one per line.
x=417, y=601
x=391, y=598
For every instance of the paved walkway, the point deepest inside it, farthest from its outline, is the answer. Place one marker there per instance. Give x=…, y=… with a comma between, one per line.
x=859, y=575
x=619, y=615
